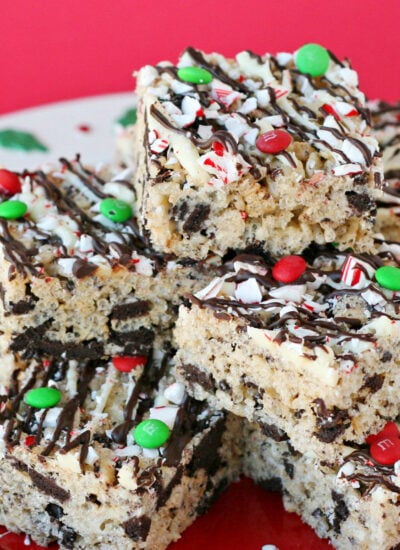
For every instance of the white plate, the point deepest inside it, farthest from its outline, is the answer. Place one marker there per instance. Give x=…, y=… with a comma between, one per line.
x=57, y=126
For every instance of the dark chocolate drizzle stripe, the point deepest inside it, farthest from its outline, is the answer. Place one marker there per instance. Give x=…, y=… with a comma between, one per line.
x=86, y=180
x=374, y=474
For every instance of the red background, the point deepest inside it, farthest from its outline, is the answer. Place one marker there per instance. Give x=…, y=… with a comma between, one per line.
x=52, y=50
x=59, y=49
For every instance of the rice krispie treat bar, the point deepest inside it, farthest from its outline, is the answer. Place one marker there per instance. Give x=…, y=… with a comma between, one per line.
x=386, y=126
x=273, y=151
x=354, y=502
x=108, y=453
x=311, y=347
x=77, y=277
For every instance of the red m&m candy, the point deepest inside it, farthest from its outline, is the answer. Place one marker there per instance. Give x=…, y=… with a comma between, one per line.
x=386, y=451
x=288, y=269
x=385, y=446
x=128, y=363
x=9, y=182
x=274, y=141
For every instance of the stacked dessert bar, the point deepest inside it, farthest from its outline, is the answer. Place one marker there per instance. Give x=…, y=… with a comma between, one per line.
x=252, y=207
x=100, y=447
x=275, y=169
x=305, y=347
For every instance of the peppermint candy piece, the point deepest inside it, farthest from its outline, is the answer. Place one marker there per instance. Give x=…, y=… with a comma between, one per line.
x=159, y=145
x=352, y=274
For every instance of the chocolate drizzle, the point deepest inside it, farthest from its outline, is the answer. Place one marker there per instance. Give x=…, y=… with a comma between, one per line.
x=71, y=429
x=326, y=326
x=371, y=473
x=68, y=194
x=303, y=132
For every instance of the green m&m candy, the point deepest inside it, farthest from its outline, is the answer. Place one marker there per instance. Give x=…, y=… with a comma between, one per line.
x=388, y=276
x=43, y=398
x=312, y=59
x=151, y=433
x=11, y=210
x=195, y=75
x=115, y=210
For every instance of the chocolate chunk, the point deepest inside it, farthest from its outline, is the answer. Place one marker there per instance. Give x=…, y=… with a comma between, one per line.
x=68, y=537
x=82, y=269
x=206, y=455
x=272, y=484
x=33, y=341
x=373, y=383
x=48, y=486
x=93, y=498
x=330, y=422
x=43, y=483
x=193, y=375
x=21, y=307
x=179, y=211
x=130, y=310
x=289, y=468
x=54, y=510
x=133, y=341
x=387, y=356
x=273, y=432
x=194, y=222
x=341, y=511
x=360, y=201
x=137, y=528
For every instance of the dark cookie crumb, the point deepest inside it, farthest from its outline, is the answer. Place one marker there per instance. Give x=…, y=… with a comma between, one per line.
x=137, y=528
x=341, y=511
x=194, y=222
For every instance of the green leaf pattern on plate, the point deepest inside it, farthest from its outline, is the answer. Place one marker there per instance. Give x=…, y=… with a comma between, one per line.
x=128, y=118
x=20, y=141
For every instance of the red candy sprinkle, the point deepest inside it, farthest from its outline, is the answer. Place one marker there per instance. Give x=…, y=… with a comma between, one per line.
x=385, y=445
x=273, y=141
x=126, y=363
x=218, y=148
x=353, y=112
x=29, y=440
x=9, y=182
x=288, y=269
x=330, y=110
x=84, y=128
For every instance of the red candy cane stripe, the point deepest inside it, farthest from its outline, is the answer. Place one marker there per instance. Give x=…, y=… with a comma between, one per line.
x=330, y=110
x=351, y=274
x=159, y=145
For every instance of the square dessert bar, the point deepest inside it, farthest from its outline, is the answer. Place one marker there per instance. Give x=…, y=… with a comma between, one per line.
x=108, y=453
x=310, y=347
x=386, y=127
x=236, y=152
x=77, y=277
x=354, y=502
